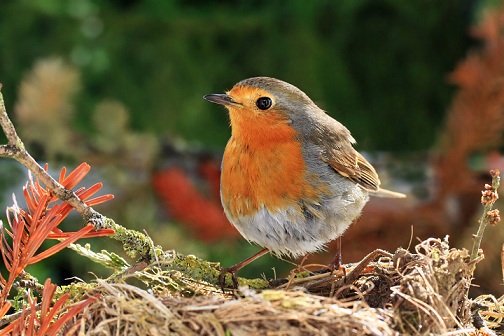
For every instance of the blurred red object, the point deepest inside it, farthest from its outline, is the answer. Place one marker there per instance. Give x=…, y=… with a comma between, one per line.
x=203, y=215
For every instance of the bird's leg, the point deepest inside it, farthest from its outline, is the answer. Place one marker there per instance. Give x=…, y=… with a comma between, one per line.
x=233, y=270
x=337, y=261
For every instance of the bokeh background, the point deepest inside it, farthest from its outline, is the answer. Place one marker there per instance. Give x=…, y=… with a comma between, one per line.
x=119, y=84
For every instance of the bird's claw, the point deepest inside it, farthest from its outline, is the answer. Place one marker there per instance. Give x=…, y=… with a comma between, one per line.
x=222, y=277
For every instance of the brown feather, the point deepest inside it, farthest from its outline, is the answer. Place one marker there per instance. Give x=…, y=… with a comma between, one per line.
x=354, y=166
x=338, y=151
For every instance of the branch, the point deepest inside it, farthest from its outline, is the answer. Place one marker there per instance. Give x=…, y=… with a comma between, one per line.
x=489, y=216
x=7, y=125
x=15, y=149
x=134, y=243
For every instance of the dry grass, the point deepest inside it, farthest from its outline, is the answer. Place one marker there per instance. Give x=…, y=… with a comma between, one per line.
x=405, y=293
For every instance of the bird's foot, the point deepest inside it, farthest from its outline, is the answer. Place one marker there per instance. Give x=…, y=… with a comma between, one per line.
x=234, y=277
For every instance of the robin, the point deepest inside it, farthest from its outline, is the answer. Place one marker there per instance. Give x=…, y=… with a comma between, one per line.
x=291, y=179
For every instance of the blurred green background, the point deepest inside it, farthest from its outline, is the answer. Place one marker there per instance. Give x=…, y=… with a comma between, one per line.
x=366, y=62
x=130, y=76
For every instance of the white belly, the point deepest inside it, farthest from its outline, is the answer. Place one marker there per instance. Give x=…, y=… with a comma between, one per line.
x=295, y=233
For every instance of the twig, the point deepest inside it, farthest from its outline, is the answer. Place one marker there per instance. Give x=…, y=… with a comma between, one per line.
x=488, y=216
x=134, y=243
x=350, y=277
x=15, y=149
x=502, y=262
x=10, y=318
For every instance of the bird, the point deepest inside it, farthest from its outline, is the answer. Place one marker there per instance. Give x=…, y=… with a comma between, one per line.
x=291, y=179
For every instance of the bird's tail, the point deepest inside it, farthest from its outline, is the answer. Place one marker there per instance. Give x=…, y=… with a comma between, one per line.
x=386, y=193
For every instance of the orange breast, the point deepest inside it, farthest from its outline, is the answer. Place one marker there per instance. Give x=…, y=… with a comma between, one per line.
x=263, y=166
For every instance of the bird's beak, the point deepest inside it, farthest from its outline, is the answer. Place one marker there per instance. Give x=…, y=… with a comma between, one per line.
x=222, y=99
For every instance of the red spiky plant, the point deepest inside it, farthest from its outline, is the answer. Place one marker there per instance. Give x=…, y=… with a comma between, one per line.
x=50, y=319
x=20, y=243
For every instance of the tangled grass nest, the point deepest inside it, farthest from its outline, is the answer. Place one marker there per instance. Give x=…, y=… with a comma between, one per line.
x=385, y=294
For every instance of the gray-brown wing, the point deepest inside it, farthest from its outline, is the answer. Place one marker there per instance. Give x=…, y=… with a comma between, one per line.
x=353, y=165
x=338, y=151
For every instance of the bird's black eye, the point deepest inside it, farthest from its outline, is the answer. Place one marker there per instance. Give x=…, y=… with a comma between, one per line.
x=264, y=103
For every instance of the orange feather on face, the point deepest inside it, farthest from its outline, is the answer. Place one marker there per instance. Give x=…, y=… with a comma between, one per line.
x=264, y=162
